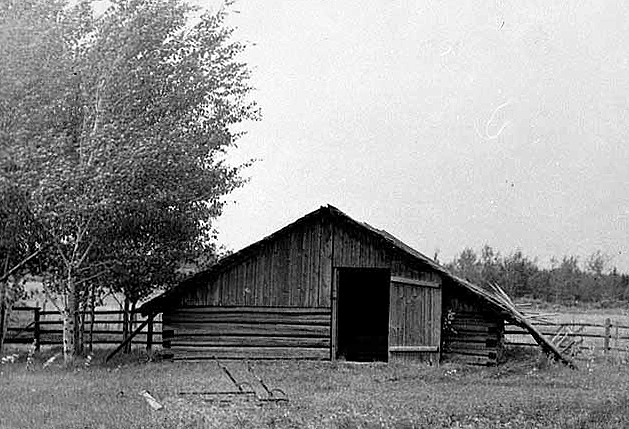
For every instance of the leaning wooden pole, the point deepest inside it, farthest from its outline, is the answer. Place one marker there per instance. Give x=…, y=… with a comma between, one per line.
x=129, y=338
x=3, y=316
x=519, y=319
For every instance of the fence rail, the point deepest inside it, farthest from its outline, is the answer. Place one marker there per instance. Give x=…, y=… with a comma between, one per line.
x=31, y=325
x=606, y=337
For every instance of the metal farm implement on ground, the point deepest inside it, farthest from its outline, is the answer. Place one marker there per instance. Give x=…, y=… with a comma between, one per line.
x=241, y=389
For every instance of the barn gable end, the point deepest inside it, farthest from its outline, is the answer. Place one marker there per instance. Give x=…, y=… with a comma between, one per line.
x=328, y=287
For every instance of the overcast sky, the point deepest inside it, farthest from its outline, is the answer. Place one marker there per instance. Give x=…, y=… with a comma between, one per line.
x=449, y=124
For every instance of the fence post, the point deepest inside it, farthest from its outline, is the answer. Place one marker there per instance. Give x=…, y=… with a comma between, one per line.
x=149, y=335
x=36, y=328
x=608, y=329
x=616, y=337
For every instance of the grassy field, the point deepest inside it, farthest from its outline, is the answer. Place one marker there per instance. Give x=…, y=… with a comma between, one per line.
x=527, y=393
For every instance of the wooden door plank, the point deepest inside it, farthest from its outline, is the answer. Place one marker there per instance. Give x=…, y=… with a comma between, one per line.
x=410, y=349
x=326, y=266
x=334, y=321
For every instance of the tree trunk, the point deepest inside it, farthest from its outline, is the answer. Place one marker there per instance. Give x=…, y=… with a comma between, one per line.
x=125, y=324
x=71, y=338
x=3, y=314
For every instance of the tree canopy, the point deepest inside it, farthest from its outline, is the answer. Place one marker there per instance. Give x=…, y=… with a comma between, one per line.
x=113, y=128
x=565, y=281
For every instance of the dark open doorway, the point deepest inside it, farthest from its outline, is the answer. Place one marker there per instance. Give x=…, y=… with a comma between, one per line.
x=363, y=314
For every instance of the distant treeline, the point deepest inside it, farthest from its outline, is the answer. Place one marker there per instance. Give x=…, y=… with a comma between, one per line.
x=566, y=281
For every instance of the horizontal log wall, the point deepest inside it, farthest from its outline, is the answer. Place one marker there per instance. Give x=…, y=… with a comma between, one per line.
x=471, y=334
x=294, y=269
x=247, y=333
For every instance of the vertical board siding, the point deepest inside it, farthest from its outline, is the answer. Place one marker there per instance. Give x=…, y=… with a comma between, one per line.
x=354, y=248
x=294, y=270
x=415, y=320
x=325, y=264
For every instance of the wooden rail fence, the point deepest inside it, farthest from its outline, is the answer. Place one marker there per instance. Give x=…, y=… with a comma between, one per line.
x=580, y=336
x=32, y=325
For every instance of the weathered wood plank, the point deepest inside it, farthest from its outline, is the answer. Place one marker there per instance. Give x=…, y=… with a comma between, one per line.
x=325, y=286
x=316, y=265
x=253, y=283
x=250, y=310
x=248, y=341
x=292, y=261
x=475, y=323
x=473, y=338
x=414, y=282
x=240, y=280
x=401, y=314
x=426, y=357
x=409, y=349
x=283, y=265
x=394, y=326
x=234, y=292
x=339, y=246
x=247, y=329
x=413, y=331
x=269, y=318
x=438, y=308
x=335, y=310
x=454, y=346
x=264, y=292
x=191, y=353
x=308, y=278
x=228, y=289
x=303, y=276
x=487, y=352
x=279, y=266
x=421, y=306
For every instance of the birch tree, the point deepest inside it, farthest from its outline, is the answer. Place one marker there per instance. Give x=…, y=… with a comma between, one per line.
x=115, y=128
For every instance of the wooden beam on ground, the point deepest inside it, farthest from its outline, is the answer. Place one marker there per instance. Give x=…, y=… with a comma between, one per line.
x=130, y=337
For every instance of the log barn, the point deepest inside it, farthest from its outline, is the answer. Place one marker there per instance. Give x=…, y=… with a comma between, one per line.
x=330, y=287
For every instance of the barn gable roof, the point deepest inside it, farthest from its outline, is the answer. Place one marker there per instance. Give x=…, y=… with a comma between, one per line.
x=491, y=294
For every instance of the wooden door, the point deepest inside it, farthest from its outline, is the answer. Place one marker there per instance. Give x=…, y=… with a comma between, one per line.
x=414, y=320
